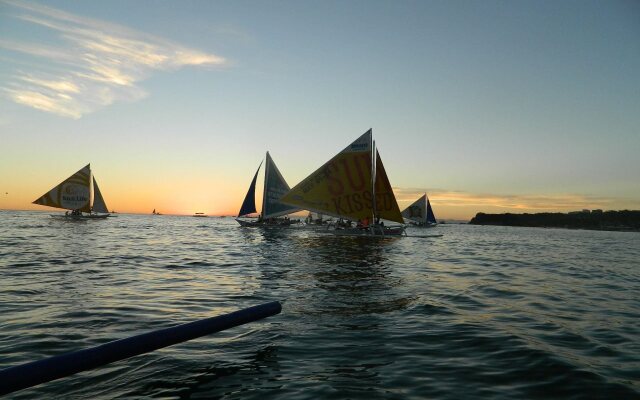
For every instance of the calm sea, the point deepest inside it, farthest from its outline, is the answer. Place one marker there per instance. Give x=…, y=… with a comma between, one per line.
x=481, y=312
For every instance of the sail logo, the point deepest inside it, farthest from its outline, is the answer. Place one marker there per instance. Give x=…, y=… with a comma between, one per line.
x=415, y=211
x=359, y=147
x=348, y=174
x=74, y=196
x=73, y=193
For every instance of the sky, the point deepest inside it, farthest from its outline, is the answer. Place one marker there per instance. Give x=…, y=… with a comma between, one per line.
x=487, y=106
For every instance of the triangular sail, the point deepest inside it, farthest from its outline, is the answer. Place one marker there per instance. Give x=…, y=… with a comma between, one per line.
x=274, y=188
x=417, y=211
x=386, y=204
x=72, y=194
x=98, y=201
x=431, y=218
x=249, y=203
x=341, y=187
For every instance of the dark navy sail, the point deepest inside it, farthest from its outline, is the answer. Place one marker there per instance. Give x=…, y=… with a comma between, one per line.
x=249, y=203
x=431, y=219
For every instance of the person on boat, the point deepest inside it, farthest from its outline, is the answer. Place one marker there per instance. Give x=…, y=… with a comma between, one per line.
x=259, y=217
x=66, y=212
x=365, y=223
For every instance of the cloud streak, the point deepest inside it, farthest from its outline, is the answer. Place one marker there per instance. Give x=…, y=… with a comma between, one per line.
x=515, y=203
x=92, y=64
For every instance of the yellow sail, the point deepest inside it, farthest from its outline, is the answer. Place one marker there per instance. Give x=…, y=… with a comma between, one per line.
x=386, y=203
x=72, y=194
x=341, y=187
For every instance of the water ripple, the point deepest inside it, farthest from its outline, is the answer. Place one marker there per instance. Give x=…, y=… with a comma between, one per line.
x=482, y=312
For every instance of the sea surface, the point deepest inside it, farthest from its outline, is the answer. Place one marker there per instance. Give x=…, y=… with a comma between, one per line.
x=481, y=312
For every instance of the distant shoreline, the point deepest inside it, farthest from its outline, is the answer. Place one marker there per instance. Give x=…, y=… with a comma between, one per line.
x=619, y=221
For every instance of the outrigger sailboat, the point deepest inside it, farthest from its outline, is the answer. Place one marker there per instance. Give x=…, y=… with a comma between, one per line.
x=74, y=194
x=420, y=213
x=274, y=187
x=352, y=186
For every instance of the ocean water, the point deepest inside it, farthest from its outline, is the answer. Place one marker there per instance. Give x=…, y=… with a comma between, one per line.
x=481, y=312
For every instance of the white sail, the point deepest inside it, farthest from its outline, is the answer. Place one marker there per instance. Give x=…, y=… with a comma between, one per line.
x=72, y=194
x=417, y=211
x=274, y=188
x=98, y=201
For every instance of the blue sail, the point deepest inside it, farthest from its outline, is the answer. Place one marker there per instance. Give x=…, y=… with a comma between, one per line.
x=431, y=219
x=249, y=203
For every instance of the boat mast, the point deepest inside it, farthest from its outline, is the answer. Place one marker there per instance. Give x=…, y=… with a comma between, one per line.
x=373, y=178
x=264, y=187
x=91, y=191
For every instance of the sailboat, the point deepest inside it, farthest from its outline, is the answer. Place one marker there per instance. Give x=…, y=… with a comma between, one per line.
x=274, y=188
x=74, y=194
x=352, y=186
x=420, y=213
x=154, y=212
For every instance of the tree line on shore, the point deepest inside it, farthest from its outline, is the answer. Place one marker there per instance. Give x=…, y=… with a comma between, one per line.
x=624, y=220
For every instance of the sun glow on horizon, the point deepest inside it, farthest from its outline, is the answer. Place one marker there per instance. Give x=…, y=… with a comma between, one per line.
x=446, y=204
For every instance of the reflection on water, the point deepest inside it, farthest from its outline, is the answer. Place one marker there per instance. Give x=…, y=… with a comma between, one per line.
x=481, y=312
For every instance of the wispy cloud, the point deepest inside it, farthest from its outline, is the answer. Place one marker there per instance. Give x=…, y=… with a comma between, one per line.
x=515, y=203
x=93, y=64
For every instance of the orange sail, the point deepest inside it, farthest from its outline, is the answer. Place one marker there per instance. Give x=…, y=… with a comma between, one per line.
x=386, y=204
x=342, y=186
x=72, y=194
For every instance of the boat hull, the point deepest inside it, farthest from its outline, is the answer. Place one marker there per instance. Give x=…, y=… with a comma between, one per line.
x=80, y=217
x=373, y=231
x=266, y=224
x=416, y=225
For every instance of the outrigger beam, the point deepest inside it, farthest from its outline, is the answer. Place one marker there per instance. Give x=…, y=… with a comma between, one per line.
x=34, y=373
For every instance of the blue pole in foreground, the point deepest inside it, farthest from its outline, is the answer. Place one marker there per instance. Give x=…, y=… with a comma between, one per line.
x=37, y=372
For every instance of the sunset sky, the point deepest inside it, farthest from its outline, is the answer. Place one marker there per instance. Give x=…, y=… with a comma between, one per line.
x=493, y=106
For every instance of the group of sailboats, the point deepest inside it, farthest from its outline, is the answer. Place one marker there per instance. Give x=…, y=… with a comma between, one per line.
x=353, y=187
x=79, y=194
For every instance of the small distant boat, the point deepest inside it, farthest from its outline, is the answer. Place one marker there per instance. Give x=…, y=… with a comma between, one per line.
x=75, y=195
x=352, y=186
x=420, y=213
x=155, y=212
x=274, y=187
x=200, y=214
